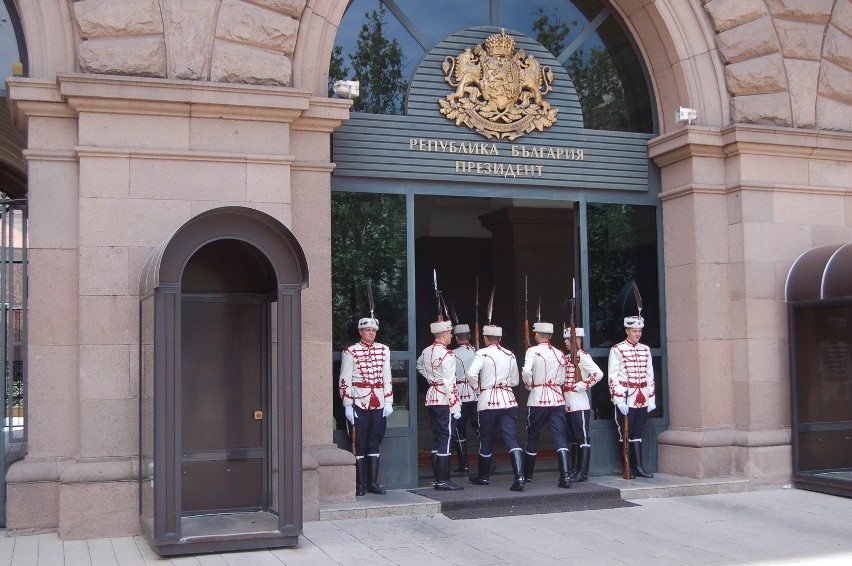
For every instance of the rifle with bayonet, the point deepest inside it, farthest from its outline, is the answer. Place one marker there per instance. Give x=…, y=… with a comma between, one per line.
x=575, y=358
x=476, y=316
x=438, y=298
x=526, y=316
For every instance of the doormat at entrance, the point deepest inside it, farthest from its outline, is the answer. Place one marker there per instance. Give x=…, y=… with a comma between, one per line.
x=542, y=496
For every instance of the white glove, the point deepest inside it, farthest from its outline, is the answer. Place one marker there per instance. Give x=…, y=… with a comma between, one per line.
x=580, y=386
x=622, y=407
x=457, y=416
x=388, y=410
x=350, y=414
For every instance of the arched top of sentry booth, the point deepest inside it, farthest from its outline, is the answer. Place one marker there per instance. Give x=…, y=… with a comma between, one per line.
x=822, y=274
x=166, y=263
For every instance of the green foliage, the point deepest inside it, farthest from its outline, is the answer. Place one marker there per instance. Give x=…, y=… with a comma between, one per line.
x=336, y=68
x=600, y=90
x=378, y=65
x=368, y=242
x=551, y=34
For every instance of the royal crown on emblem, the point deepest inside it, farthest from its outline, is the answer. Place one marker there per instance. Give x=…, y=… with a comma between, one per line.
x=500, y=44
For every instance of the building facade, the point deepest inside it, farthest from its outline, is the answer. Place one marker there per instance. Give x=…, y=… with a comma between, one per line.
x=140, y=117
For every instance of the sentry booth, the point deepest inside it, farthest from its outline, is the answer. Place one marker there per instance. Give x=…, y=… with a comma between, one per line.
x=220, y=386
x=819, y=307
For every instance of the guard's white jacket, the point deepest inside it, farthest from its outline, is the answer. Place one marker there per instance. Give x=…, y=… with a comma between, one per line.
x=438, y=365
x=544, y=375
x=576, y=392
x=365, y=376
x=631, y=375
x=492, y=375
x=464, y=359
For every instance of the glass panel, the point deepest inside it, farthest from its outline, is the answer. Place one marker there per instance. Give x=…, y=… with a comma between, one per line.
x=401, y=413
x=146, y=410
x=9, y=45
x=553, y=23
x=368, y=243
x=374, y=48
x=436, y=19
x=622, y=248
x=823, y=348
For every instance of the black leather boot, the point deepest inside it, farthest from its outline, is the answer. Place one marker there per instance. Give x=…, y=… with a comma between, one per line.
x=443, y=482
x=373, y=471
x=582, y=473
x=636, y=468
x=483, y=477
x=516, y=458
x=573, y=459
x=529, y=466
x=563, y=458
x=434, y=456
x=461, y=448
x=360, y=477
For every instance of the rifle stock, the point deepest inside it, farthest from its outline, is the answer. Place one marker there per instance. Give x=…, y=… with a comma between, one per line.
x=527, y=332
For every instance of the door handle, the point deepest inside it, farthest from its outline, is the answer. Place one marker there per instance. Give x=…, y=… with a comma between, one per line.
x=258, y=415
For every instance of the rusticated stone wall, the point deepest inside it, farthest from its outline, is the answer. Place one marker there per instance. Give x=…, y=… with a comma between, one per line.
x=788, y=62
x=233, y=41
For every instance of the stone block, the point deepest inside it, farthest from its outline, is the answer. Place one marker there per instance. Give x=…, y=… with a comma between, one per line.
x=32, y=507
x=766, y=465
x=736, y=244
x=52, y=204
x=107, y=509
x=727, y=14
x=695, y=462
x=292, y=8
x=135, y=131
x=105, y=177
x=109, y=18
x=806, y=208
x=736, y=281
x=268, y=183
x=679, y=245
x=336, y=474
x=103, y=271
x=684, y=405
x=53, y=405
x=769, y=359
x=240, y=64
x=681, y=298
x=716, y=369
x=241, y=22
x=771, y=109
x=317, y=380
x=761, y=75
x=133, y=222
x=188, y=180
x=842, y=17
x=759, y=279
x=239, y=136
x=837, y=48
x=136, y=56
x=829, y=173
x=711, y=228
x=109, y=428
x=835, y=82
x=831, y=114
x=48, y=132
x=190, y=25
x=52, y=303
x=109, y=320
x=766, y=318
x=802, y=77
x=818, y=11
x=105, y=371
x=712, y=296
x=769, y=242
x=799, y=40
x=747, y=41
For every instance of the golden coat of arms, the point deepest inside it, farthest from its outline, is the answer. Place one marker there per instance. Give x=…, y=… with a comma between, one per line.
x=499, y=93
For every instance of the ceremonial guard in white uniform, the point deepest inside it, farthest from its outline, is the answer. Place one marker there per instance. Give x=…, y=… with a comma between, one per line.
x=438, y=365
x=492, y=375
x=577, y=407
x=367, y=394
x=631, y=385
x=544, y=377
x=464, y=353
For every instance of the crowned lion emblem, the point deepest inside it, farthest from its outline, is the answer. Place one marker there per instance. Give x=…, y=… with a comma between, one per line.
x=498, y=93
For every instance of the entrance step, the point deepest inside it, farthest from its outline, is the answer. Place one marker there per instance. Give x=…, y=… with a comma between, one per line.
x=542, y=496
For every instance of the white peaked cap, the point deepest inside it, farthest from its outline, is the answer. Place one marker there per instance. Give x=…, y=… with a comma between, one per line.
x=577, y=332
x=543, y=327
x=492, y=330
x=634, y=322
x=440, y=326
x=461, y=329
x=368, y=323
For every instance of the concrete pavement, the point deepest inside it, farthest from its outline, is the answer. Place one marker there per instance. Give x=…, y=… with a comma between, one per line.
x=777, y=526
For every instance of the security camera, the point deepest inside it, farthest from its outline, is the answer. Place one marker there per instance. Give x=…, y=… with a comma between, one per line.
x=688, y=115
x=347, y=89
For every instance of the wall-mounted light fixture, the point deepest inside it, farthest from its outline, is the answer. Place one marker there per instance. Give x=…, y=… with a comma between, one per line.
x=688, y=115
x=347, y=89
